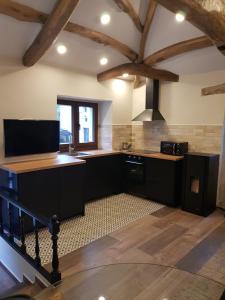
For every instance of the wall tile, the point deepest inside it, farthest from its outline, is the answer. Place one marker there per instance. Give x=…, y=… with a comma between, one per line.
x=200, y=138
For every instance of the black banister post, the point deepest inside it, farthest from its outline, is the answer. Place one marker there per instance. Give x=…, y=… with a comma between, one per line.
x=22, y=234
x=1, y=217
x=37, y=248
x=54, y=230
x=11, y=231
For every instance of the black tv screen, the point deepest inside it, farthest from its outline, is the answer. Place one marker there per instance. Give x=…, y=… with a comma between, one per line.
x=23, y=137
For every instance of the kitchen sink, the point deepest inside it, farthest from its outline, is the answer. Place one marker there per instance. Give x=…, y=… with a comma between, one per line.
x=78, y=154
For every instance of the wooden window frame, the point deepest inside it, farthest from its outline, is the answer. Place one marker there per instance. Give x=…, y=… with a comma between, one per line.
x=75, y=126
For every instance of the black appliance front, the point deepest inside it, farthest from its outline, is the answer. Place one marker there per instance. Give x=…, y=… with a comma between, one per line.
x=201, y=180
x=173, y=148
x=135, y=175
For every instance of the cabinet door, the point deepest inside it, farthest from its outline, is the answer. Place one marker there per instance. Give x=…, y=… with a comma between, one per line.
x=40, y=191
x=113, y=174
x=161, y=181
x=72, y=191
x=103, y=176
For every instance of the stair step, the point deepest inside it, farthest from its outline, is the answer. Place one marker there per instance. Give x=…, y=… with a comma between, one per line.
x=7, y=280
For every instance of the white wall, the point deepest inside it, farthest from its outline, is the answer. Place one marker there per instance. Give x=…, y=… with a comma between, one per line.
x=182, y=103
x=17, y=265
x=32, y=93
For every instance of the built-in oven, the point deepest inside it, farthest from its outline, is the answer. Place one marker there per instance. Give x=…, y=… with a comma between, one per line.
x=135, y=175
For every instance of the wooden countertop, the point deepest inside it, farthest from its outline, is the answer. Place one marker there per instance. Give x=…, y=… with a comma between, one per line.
x=97, y=153
x=42, y=164
x=157, y=155
x=63, y=160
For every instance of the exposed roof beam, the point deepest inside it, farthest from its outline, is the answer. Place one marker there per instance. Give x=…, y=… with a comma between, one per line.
x=22, y=12
x=179, y=48
x=148, y=21
x=207, y=15
x=25, y=13
x=128, y=8
x=138, y=69
x=49, y=32
x=138, y=82
x=217, y=89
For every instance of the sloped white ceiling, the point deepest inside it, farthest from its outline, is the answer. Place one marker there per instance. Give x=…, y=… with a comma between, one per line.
x=84, y=55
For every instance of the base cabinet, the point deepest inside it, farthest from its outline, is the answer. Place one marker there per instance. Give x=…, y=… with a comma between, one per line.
x=103, y=176
x=156, y=179
x=163, y=182
x=46, y=193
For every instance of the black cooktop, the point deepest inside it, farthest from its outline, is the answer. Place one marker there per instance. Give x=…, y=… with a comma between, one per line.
x=142, y=151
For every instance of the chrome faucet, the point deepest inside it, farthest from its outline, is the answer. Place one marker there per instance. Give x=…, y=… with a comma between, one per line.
x=71, y=148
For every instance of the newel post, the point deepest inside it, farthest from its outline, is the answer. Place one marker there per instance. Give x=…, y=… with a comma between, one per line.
x=54, y=229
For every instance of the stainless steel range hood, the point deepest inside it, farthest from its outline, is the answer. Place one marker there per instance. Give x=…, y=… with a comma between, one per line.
x=151, y=112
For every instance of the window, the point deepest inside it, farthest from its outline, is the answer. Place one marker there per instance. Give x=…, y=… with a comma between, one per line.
x=78, y=124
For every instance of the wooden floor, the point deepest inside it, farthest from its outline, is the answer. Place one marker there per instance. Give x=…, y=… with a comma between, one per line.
x=168, y=237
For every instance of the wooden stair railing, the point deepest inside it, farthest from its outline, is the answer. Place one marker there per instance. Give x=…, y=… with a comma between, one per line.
x=9, y=236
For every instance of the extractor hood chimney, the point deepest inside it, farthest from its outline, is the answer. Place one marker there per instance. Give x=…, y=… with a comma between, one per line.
x=151, y=112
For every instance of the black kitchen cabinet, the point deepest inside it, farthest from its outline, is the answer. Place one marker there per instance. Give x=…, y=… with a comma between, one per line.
x=200, y=188
x=103, y=176
x=156, y=179
x=46, y=192
x=163, y=181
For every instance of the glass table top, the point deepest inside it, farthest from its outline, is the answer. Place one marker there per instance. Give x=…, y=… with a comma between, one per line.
x=134, y=281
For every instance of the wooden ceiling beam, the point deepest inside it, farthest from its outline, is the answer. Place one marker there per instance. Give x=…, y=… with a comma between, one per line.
x=179, y=48
x=128, y=8
x=138, y=82
x=212, y=90
x=49, y=32
x=207, y=15
x=25, y=13
x=137, y=69
x=148, y=21
x=22, y=12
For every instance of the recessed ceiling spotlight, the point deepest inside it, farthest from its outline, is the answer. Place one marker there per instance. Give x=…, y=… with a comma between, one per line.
x=61, y=49
x=125, y=75
x=180, y=17
x=104, y=61
x=105, y=19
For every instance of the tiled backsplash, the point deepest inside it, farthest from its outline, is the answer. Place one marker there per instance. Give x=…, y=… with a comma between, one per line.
x=121, y=133
x=202, y=138
x=105, y=136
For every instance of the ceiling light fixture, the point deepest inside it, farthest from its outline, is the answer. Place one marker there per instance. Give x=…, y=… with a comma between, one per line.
x=61, y=49
x=105, y=19
x=125, y=75
x=180, y=17
x=104, y=61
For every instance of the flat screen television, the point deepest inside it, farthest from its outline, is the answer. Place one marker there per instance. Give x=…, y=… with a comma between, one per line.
x=24, y=137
